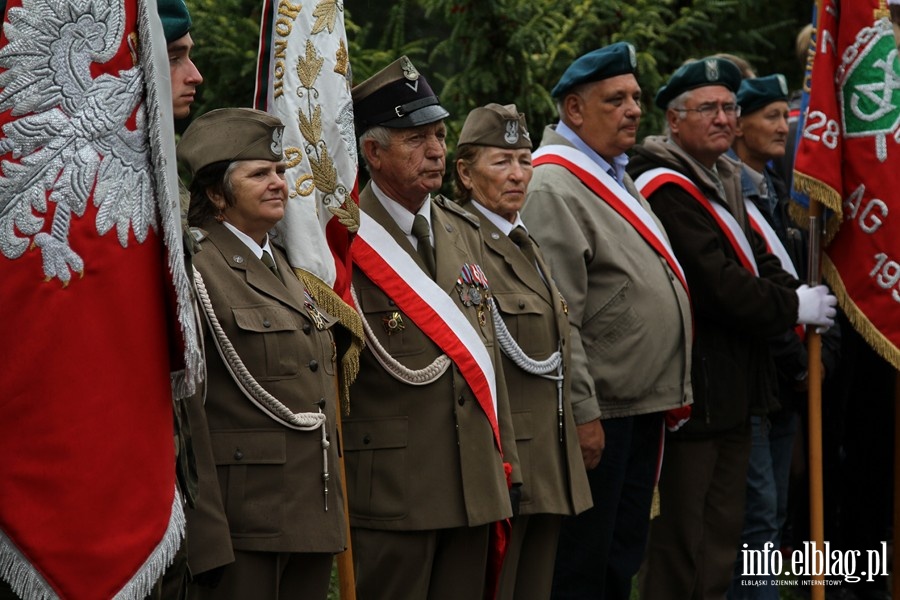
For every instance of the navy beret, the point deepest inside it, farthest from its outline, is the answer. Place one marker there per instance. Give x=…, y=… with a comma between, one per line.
x=397, y=96
x=602, y=63
x=176, y=19
x=758, y=92
x=699, y=73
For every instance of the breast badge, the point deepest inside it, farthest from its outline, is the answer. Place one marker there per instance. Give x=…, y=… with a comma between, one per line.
x=393, y=323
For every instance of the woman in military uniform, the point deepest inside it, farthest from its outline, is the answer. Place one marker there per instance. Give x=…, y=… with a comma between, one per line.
x=274, y=501
x=493, y=168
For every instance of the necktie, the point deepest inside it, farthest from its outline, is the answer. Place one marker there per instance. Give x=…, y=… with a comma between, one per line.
x=520, y=237
x=422, y=231
x=270, y=262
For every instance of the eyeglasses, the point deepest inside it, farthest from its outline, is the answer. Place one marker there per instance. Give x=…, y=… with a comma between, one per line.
x=709, y=111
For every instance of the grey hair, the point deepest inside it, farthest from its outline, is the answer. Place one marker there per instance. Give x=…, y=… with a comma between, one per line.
x=678, y=102
x=380, y=135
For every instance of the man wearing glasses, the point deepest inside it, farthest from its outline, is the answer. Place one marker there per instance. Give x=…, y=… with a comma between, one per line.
x=741, y=297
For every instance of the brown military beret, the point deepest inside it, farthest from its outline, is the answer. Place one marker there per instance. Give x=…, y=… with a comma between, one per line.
x=230, y=134
x=398, y=96
x=495, y=125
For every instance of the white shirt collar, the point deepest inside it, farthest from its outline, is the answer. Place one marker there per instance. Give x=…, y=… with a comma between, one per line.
x=499, y=222
x=250, y=242
x=619, y=162
x=403, y=217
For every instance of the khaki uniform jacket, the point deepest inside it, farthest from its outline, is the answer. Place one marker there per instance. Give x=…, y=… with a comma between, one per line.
x=630, y=316
x=423, y=457
x=268, y=477
x=537, y=318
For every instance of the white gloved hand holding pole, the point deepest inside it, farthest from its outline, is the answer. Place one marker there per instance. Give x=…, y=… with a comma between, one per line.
x=816, y=306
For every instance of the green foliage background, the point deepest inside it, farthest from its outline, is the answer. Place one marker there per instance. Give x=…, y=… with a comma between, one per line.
x=479, y=51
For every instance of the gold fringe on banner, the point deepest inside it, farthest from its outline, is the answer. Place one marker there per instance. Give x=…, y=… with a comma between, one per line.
x=858, y=319
x=823, y=194
x=334, y=305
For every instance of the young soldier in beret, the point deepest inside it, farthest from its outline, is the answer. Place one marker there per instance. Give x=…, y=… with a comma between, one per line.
x=741, y=297
x=629, y=310
x=274, y=503
x=761, y=136
x=429, y=432
x=493, y=168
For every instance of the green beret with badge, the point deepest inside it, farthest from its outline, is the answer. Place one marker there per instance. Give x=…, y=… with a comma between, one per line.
x=230, y=134
x=602, y=63
x=497, y=125
x=759, y=92
x=398, y=96
x=176, y=20
x=699, y=73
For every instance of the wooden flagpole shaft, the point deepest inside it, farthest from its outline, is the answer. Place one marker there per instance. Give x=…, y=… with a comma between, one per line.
x=814, y=351
x=895, y=569
x=346, y=575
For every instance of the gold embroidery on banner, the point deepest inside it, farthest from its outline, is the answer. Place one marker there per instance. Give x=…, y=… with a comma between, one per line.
x=326, y=14
x=342, y=59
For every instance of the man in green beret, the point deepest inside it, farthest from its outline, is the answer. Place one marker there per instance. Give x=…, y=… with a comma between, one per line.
x=629, y=312
x=761, y=137
x=185, y=76
x=741, y=297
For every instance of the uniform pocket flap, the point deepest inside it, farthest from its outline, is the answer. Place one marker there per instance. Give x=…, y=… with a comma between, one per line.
x=519, y=304
x=264, y=318
x=375, y=434
x=249, y=447
x=522, y=425
x=373, y=300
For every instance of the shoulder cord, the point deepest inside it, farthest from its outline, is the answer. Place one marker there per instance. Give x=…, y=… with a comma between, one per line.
x=550, y=368
x=266, y=402
x=398, y=371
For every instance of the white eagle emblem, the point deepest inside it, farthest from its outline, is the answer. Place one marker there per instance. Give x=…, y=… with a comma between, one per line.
x=73, y=142
x=512, y=132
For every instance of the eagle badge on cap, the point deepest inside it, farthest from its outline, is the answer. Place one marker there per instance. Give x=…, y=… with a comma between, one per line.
x=277, y=134
x=632, y=56
x=712, y=70
x=409, y=70
x=512, y=132
x=782, y=84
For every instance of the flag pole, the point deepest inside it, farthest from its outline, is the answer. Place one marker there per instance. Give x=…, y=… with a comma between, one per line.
x=346, y=576
x=895, y=568
x=814, y=426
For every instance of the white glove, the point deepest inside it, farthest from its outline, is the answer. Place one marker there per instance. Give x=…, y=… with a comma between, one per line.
x=816, y=306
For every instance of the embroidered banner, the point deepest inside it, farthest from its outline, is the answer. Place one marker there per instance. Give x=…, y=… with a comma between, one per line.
x=303, y=77
x=90, y=245
x=848, y=159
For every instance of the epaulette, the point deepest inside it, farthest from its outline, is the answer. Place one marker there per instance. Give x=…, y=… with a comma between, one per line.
x=199, y=234
x=456, y=209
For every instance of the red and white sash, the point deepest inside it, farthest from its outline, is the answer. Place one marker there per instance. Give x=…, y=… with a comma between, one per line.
x=392, y=269
x=773, y=243
x=652, y=180
x=604, y=186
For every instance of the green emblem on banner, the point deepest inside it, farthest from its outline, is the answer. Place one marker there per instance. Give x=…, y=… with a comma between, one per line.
x=870, y=90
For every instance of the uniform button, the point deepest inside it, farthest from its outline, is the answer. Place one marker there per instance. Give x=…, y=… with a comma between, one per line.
x=321, y=403
x=313, y=366
x=391, y=303
x=238, y=455
x=266, y=323
x=521, y=304
x=461, y=400
x=366, y=439
x=307, y=328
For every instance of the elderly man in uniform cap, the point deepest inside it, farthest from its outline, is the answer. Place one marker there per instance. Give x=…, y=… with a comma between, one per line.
x=493, y=168
x=630, y=315
x=428, y=443
x=741, y=297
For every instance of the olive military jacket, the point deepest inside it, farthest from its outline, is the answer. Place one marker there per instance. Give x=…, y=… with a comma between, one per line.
x=536, y=316
x=268, y=477
x=630, y=316
x=422, y=457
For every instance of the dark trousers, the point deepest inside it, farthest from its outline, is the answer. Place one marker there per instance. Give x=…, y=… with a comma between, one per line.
x=271, y=576
x=601, y=549
x=528, y=567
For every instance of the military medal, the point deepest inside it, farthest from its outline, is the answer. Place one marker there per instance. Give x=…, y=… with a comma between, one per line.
x=473, y=289
x=393, y=323
x=314, y=313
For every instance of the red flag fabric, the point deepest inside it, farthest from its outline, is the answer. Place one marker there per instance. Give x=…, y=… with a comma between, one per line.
x=848, y=159
x=90, y=262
